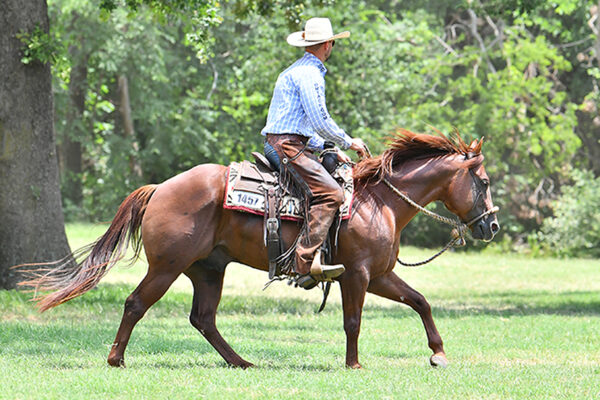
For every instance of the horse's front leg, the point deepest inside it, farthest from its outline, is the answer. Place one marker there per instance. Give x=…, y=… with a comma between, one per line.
x=353, y=285
x=392, y=287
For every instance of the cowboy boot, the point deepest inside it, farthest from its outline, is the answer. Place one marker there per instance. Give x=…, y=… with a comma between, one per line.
x=319, y=272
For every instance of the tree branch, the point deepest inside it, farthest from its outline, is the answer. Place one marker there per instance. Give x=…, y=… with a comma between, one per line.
x=477, y=36
x=215, y=79
x=446, y=46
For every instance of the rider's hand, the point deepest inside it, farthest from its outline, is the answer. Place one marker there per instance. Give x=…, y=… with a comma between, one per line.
x=360, y=147
x=343, y=157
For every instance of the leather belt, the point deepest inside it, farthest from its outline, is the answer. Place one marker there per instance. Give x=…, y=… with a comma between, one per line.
x=278, y=137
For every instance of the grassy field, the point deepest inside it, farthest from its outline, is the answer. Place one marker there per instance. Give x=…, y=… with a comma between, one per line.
x=513, y=327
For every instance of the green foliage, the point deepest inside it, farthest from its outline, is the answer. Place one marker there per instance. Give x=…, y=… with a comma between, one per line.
x=503, y=86
x=292, y=10
x=164, y=7
x=505, y=8
x=201, y=74
x=196, y=17
x=42, y=47
x=574, y=228
x=186, y=108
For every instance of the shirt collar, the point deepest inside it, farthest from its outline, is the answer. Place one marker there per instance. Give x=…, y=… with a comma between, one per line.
x=314, y=60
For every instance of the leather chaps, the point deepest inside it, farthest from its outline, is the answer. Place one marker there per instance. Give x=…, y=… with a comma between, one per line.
x=323, y=193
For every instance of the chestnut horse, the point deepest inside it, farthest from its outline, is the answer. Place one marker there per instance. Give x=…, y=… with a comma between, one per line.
x=185, y=229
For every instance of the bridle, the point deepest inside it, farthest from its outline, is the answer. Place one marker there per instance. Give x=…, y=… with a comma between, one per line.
x=459, y=227
x=481, y=188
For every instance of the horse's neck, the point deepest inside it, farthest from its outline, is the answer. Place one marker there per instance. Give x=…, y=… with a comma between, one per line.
x=423, y=181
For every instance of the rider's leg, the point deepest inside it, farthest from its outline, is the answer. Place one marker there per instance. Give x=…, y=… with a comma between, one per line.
x=325, y=194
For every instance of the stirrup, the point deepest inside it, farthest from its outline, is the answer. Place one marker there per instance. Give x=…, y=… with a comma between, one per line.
x=319, y=272
x=324, y=272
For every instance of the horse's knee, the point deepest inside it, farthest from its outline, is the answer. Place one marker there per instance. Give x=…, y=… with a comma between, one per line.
x=421, y=305
x=352, y=326
x=134, y=308
x=203, y=323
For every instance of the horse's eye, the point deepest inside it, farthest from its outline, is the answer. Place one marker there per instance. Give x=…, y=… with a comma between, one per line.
x=485, y=182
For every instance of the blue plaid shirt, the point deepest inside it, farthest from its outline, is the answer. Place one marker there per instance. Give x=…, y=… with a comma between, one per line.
x=298, y=105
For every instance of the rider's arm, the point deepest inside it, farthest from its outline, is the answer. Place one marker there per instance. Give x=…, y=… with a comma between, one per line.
x=312, y=97
x=316, y=142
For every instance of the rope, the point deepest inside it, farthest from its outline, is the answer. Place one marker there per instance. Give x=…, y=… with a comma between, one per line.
x=433, y=257
x=457, y=233
x=457, y=224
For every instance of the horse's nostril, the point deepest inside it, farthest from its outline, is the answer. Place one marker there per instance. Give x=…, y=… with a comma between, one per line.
x=495, y=227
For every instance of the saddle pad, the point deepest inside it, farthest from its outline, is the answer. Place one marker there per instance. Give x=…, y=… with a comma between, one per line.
x=247, y=184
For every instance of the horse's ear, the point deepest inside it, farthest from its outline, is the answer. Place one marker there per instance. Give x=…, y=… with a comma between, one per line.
x=474, y=149
x=476, y=145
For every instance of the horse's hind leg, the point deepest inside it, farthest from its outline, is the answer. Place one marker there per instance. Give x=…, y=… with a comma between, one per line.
x=208, y=285
x=149, y=291
x=392, y=287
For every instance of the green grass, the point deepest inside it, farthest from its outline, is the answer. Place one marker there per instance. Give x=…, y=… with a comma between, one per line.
x=513, y=327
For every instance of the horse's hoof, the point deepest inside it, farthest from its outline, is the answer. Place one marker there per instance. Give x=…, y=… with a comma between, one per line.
x=243, y=364
x=116, y=362
x=438, y=360
x=354, y=366
x=246, y=365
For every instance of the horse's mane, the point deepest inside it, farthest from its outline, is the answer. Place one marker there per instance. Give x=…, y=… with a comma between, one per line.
x=406, y=145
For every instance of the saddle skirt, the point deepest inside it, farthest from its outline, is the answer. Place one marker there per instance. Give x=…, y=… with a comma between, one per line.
x=248, y=183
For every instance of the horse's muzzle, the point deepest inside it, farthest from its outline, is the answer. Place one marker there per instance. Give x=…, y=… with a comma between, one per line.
x=486, y=228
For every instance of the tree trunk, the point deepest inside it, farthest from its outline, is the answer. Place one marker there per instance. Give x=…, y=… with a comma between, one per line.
x=588, y=127
x=71, y=151
x=31, y=219
x=128, y=132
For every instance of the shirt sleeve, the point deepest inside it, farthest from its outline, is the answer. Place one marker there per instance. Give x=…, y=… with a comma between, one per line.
x=316, y=142
x=312, y=98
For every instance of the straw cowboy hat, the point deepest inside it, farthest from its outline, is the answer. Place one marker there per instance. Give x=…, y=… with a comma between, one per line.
x=316, y=30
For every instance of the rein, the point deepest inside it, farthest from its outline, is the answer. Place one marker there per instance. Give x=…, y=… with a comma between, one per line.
x=458, y=233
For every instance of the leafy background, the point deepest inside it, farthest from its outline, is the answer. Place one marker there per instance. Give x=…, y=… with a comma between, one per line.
x=523, y=74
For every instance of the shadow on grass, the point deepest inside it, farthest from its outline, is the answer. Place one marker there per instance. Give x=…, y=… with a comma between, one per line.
x=518, y=303
x=63, y=346
x=109, y=299
x=503, y=305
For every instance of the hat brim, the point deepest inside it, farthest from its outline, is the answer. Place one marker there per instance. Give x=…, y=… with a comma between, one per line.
x=295, y=39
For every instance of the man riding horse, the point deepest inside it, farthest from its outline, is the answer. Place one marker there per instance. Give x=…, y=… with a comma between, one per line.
x=184, y=227
x=298, y=124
